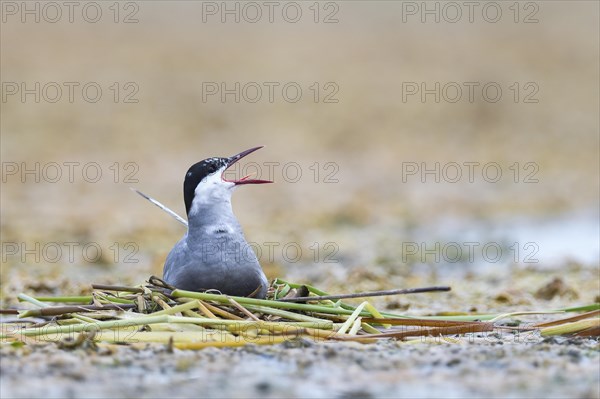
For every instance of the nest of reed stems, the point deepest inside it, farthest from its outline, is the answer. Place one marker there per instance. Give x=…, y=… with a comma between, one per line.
x=156, y=313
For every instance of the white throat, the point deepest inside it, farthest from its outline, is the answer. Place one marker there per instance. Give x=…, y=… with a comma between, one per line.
x=212, y=190
x=211, y=206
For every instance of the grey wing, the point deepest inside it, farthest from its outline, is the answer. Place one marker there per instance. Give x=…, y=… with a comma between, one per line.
x=174, y=258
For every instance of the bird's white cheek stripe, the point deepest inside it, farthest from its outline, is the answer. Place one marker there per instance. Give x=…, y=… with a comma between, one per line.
x=212, y=190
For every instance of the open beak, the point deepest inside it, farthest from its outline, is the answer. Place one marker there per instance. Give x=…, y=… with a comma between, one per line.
x=246, y=179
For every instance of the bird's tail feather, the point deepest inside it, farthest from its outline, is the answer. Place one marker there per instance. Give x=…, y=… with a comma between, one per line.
x=161, y=206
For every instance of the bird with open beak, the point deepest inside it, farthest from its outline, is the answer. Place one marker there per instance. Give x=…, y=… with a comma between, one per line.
x=214, y=254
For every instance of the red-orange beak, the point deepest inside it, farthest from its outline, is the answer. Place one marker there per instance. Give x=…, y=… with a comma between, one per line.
x=245, y=179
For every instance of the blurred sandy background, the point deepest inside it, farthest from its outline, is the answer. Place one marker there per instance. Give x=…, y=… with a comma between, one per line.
x=367, y=134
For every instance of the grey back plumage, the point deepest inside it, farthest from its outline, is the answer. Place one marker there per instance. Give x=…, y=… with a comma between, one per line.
x=221, y=261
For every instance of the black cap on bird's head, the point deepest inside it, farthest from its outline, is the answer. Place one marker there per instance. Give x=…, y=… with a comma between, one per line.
x=208, y=167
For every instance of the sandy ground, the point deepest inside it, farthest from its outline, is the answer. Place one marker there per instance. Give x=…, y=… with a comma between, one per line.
x=489, y=365
x=556, y=368
x=356, y=211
